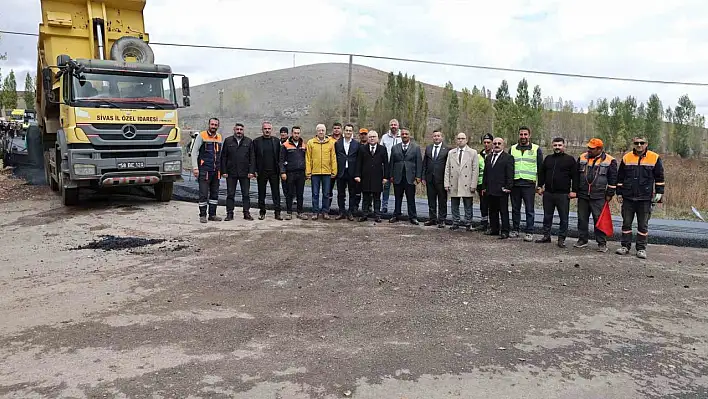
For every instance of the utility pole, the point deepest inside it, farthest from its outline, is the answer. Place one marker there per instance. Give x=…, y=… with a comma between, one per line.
x=221, y=102
x=349, y=91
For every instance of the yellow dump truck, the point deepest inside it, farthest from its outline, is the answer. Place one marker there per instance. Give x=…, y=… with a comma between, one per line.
x=107, y=114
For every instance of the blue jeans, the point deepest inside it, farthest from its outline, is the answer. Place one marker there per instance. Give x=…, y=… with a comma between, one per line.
x=324, y=181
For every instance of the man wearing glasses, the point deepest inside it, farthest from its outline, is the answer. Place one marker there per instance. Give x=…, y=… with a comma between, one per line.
x=640, y=185
x=597, y=182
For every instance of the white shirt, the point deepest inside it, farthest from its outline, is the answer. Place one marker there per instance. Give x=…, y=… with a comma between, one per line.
x=346, y=151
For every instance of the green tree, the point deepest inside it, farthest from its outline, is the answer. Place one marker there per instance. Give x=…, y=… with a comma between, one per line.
x=652, y=122
x=9, y=91
x=684, y=114
x=453, y=115
x=420, y=126
x=504, y=120
x=536, y=116
x=523, y=105
x=29, y=92
x=603, y=120
x=481, y=115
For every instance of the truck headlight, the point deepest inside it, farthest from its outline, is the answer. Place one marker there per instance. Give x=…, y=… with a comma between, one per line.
x=84, y=170
x=172, y=166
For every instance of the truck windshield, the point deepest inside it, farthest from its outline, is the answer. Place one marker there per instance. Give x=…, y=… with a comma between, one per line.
x=136, y=91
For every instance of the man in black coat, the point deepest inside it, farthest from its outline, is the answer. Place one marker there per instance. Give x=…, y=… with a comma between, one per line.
x=267, y=153
x=238, y=167
x=292, y=172
x=557, y=183
x=371, y=170
x=406, y=167
x=497, y=183
x=434, y=162
x=347, y=150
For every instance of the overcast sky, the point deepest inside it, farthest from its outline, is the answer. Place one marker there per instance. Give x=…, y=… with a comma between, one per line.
x=650, y=39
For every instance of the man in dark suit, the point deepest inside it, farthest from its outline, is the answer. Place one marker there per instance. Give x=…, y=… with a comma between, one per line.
x=346, y=150
x=238, y=166
x=371, y=170
x=267, y=154
x=497, y=183
x=406, y=166
x=433, y=174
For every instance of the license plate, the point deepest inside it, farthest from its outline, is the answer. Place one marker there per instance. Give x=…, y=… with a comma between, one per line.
x=130, y=165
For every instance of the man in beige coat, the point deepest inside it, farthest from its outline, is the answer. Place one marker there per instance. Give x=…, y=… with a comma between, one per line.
x=461, y=174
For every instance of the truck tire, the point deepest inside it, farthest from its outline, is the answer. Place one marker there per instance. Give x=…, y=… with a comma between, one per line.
x=69, y=196
x=128, y=46
x=53, y=185
x=163, y=191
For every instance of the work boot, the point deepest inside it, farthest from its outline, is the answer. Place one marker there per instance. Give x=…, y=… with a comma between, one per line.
x=341, y=216
x=544, y=239
x=302, y=216
x=602, y=248
x=214, y=218
x=528, y=237
x=247, y=216
x=514, y=234
x=229, y=217
x=581, y=244
x=203, y=219
x=278, y=216
x=261, y=216
x=482, y=227
x=642, y=254
x=325, y=216
x=350, y=217
x=561, y=242
x=622, y=251
x=289, y=216
x=314, y=216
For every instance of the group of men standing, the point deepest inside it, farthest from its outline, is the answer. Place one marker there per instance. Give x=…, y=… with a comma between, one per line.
x=366, y=169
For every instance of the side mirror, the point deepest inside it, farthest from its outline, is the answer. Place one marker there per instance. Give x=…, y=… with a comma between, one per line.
x=185, y=86
x=185, y=101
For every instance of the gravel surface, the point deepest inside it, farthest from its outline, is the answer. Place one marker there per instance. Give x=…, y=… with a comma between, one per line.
x=329, y=309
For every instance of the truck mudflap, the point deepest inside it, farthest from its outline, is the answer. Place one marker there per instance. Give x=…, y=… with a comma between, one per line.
x=129, y=179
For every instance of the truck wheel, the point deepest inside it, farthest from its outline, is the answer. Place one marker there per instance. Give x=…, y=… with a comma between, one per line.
x=48, y=173
x=128, y=46
x=69, y=196
x=163, y=191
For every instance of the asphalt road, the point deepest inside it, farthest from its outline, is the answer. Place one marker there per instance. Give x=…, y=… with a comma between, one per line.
x=662, y=231
x=131, y=298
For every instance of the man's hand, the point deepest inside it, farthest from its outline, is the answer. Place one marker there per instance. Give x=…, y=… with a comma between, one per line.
x=572, y=195
x=424, y=182
x=657, y=198
x=334, y=177
x=225, y=175
x=447, y=188
x=251, y=175
x=385, y=181
x=484, y=192
x=539, y=190
x=357, y=179
x=507, y=191
x=195, y=171
x=473, y=189
x=619, y=199
x=284, y=176
x=417, y=180
x=608, y=198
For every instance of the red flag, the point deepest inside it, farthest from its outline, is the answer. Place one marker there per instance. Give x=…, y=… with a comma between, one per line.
x=604, y=222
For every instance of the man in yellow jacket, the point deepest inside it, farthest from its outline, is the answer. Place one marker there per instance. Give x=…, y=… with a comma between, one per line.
x=321, y=168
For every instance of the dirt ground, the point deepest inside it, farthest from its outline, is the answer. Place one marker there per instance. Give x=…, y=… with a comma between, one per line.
x=157, y=305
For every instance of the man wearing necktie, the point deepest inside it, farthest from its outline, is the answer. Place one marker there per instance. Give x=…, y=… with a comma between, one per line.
x=406, y=171
x=372, y=167
x=497, y=183
x=433, y=177
x=461, y=174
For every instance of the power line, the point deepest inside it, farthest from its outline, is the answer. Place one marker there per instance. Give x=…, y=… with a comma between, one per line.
x=419, y=61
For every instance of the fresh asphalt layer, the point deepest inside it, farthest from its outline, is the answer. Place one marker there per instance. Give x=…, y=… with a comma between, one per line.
x=661, y=231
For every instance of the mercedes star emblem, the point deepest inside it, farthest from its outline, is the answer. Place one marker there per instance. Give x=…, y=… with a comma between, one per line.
x=129, y=132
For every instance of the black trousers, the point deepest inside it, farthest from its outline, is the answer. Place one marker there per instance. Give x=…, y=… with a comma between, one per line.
x=208, y=192
x=551, y=202
x=407, y=189
x=437, y=202
x=498, y=207
x=271, y=178
x=231, y=183
x=357, y=196
x=585, y=208
x=346, y=184
x=285, y=186
x=368, y=196
x=525, y=194
x=642, y=209
x=483, y=206
x=296, y=187
x=330, y=195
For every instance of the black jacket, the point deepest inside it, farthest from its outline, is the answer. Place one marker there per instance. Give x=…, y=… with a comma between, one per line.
x=558, y=174
x=434, y=170
x=237, y=160
x=372, y=169
x=343, y=157
x=501, y=175
x=258, y=144
x=292, y=156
